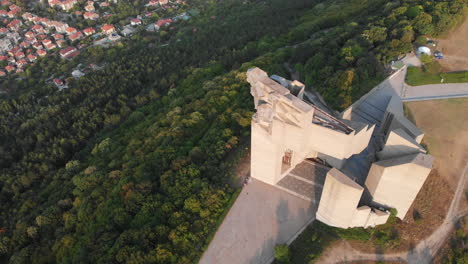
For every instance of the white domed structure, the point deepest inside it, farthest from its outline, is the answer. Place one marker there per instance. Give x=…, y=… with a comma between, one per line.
x=423, y=50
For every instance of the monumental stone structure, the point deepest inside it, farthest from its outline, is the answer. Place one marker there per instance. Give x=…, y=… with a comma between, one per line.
x=290, y=135
x=286, y=130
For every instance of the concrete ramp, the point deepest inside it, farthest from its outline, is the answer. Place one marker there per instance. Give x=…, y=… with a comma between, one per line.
x=262, y=217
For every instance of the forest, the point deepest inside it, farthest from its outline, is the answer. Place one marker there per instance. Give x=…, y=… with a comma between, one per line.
x=131, y=163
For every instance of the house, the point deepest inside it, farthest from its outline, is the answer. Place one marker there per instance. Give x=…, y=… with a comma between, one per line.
x=151, y=27
x=36, y=20
x=41, y=52
x=45, y=21
x=53, y=3
x=153, y=3
x=70, y=30
x=162, y=22
x=61, y=43
x=15, y=24
x=41, y=36
x=2, y=73
x=135, y=22
x=67, y=4
x=61, y=27
x=13, y=7
x=69, y=52
x=163, y=2
x=14, y=13
x=19, y=55
x=58, y=36
x=11, y=60
x=29, y=34
x=89, y=6
x=77, y=74
x=30, y=40
x=13, y=51
x=21, y=63
x=27, y=16
x=3, y=57
x=19, y=70
x=76, y=36
x=37, y=45
x=127, y=31
x=104, y=4
x=3, y=13
x=108, y=29
x=3, y=31
x=78, y=13
x=24, y=44
x=89, y=31
x=32, y=57
x=58, y=82
x=9, y=68
x=50, y=46
x=46, y=41
x=38, y=29
x=90, y=16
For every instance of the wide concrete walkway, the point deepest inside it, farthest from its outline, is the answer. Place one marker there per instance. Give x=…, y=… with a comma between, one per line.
x=262, y=217
x=434, y=91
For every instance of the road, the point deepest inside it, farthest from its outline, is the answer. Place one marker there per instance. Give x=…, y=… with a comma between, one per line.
x=423, y=253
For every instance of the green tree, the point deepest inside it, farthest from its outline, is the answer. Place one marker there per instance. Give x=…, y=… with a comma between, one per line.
x=282, y=254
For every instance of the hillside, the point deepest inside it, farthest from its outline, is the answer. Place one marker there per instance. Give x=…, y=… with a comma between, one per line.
x=129, y=165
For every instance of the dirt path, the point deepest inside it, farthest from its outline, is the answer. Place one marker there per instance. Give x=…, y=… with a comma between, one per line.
x=422, y=253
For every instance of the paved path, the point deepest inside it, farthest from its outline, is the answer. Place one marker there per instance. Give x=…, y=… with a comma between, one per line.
x=434, y=91
x=423, y=253
x=262, y=217
x=431, y=91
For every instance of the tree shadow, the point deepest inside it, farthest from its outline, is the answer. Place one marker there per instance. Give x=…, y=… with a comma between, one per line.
x=419, y=256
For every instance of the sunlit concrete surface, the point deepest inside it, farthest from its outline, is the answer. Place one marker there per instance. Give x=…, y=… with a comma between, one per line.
x=262, y=217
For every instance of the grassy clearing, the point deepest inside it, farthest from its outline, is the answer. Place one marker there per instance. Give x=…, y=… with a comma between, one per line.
x=417, y=76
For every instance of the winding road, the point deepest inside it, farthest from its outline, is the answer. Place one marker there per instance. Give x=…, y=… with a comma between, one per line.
x=423, y=253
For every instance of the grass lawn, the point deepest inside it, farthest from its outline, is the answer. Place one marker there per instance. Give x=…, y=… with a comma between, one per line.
x=416, y=76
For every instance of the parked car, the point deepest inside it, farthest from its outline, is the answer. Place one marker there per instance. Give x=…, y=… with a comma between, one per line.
x=431, y=43
x=438, y=55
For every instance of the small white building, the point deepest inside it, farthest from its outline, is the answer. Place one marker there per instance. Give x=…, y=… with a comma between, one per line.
x=423, y=50
x=77, y=74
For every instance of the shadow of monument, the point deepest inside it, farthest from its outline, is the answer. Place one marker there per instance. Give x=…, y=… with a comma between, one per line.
x=285, y=232
x=285, y=219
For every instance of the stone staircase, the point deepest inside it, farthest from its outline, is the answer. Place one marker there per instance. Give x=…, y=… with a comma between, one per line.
x=305, y=180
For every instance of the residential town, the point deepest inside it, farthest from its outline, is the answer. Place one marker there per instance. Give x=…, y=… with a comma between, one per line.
x=26, y=36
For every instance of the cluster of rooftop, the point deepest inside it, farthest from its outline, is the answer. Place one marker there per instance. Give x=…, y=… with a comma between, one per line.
x=289, y=131
x=27, y=36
